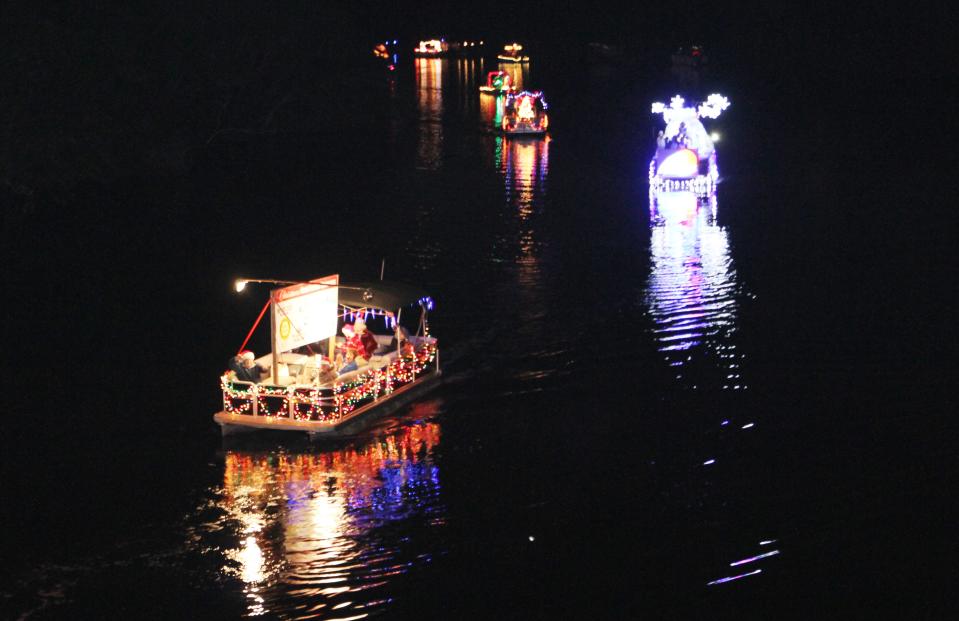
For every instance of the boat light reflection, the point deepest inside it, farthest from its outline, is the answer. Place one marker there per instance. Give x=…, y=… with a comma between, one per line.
x=692, y=292
x=429, y=99
x=307, y=525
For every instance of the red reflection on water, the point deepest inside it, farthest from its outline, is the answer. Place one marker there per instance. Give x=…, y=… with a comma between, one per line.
x=303, y=522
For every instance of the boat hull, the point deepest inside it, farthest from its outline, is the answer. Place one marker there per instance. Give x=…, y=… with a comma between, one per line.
x=240, y=423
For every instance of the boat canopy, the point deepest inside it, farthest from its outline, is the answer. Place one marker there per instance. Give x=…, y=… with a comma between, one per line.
x=384, y=295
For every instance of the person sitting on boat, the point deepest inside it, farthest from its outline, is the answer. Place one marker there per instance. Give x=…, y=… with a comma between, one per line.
x=352, y=352
x=367, y=339
x=400, y=342
x=325, y=372
x=245, y=367
x=347, y=361
x=351, y=340
x=660, y=140
x=682, y=139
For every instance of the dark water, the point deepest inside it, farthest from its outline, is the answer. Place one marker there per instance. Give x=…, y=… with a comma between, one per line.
x=654, y=406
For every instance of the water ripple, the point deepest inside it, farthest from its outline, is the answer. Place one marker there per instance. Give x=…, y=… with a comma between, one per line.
x=692, y=293
x=316, y=532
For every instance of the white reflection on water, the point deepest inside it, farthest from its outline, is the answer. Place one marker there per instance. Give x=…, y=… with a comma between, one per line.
x=306, y=525
x=692, y=290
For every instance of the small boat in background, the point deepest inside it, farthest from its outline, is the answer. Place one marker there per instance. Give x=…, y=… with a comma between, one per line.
x=688, y=66
x=497, y=82
x=386, y=51
x=525, y=113
x=431, y=48
x=512, y=53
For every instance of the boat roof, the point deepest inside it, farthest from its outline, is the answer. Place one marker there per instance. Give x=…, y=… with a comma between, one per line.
x=386, y=295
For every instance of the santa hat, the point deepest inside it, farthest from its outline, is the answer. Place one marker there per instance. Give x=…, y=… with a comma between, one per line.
x=246, y=353
x=347, y=328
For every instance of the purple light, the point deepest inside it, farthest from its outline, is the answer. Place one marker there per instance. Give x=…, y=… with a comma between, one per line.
x=724, y=423
x=682, y=164
x=731, y=578
x=709, y=462
x=748, y=425
x=754, y=558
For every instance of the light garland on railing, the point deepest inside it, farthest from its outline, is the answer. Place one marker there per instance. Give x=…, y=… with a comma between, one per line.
x=371, y=384
x=701, y=184
x=347, y=395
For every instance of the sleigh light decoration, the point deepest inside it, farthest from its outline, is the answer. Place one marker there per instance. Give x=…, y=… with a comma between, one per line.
x=685, y=156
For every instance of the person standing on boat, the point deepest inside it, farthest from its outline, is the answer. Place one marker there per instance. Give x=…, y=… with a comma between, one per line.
x=246, y=368
x=351, y=340
x=400, y=342
x=682, y=139
x=350, y=351
x=367, y=339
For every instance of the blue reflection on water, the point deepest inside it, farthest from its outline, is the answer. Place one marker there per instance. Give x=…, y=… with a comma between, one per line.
x=307, y=525
x=693, y=290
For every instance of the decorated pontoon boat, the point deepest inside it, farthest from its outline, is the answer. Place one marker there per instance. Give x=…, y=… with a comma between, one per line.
x=525, y=113
x=512, y=53
x=685, y=156
x=497, y=82
x=300, y=391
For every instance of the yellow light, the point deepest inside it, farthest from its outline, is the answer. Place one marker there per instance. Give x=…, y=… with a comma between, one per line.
x=714, y=136
x=239, y=285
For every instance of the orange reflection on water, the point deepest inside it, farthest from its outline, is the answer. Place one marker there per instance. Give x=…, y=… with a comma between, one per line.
x=304, y=521
x=525, y=169
x=429, y=100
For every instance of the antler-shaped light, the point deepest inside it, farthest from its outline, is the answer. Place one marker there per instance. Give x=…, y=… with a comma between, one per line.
x=713, y=106
x=710, y=109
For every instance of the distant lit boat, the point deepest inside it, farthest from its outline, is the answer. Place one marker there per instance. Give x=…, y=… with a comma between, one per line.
x=688, y=66
x=685, y=156
x=386, y=51
x=431, y=48
x=308, y=316
x=497, y=82
x=525, y=113
x=512, y=53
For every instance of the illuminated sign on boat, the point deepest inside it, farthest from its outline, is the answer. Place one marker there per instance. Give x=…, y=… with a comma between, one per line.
x=682, y=164
x=304, y=313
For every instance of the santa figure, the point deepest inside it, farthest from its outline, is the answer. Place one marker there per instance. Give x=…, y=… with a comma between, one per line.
x=366, y=338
